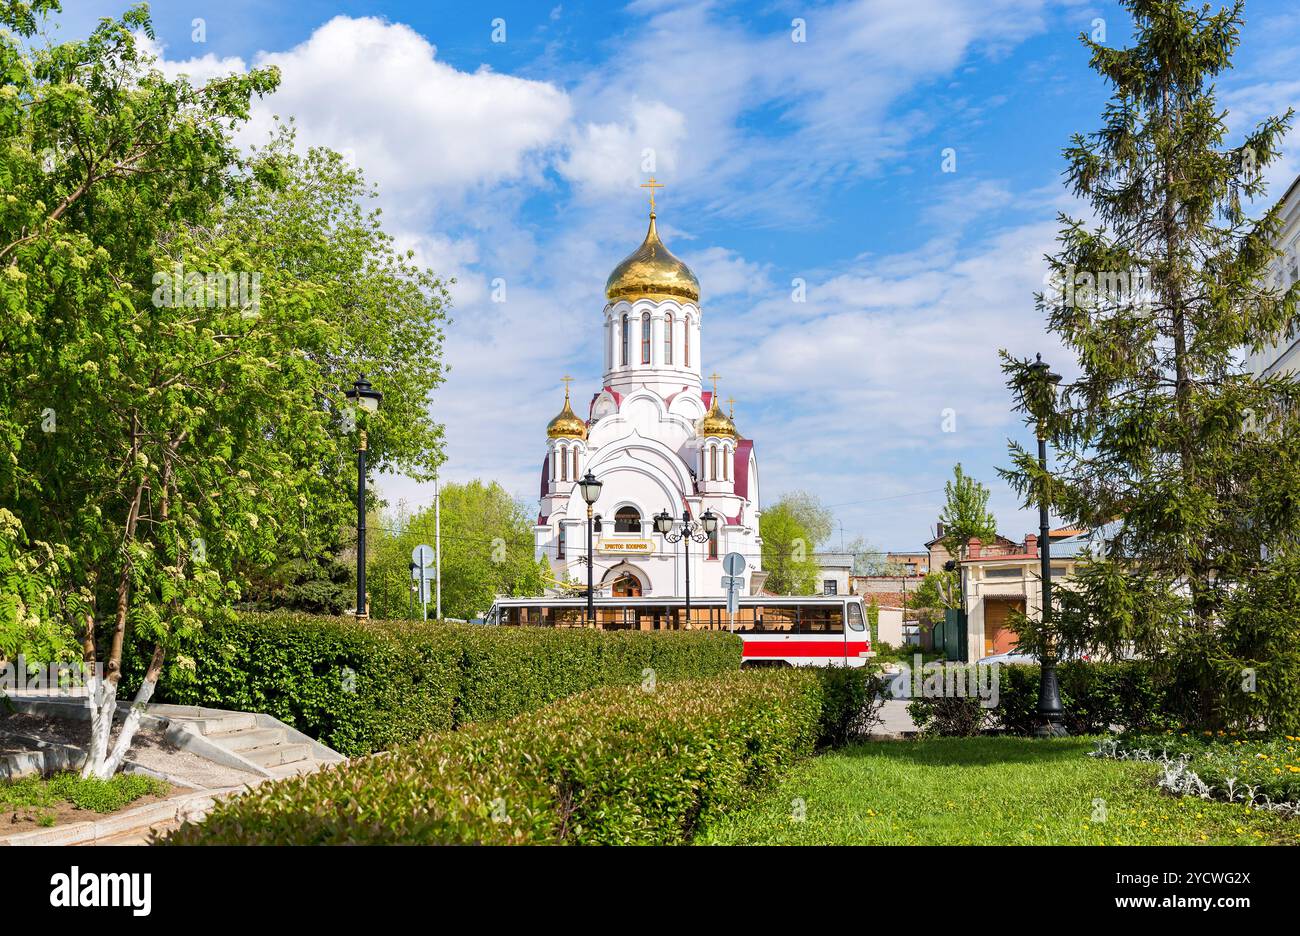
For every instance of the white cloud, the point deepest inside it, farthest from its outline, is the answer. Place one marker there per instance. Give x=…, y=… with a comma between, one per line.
x=604, y=158
x=377, y=92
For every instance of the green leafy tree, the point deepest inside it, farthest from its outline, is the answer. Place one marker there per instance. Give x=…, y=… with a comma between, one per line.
x=487, y=550
x=788, y=550
x=966, y=514
x=937, y=592
x=1185, y=463
x=817, y=521
x=870, y=560
x=179, y=325
x=32, y=622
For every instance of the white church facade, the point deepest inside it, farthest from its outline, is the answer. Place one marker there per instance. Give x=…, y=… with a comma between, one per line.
x=656, y=440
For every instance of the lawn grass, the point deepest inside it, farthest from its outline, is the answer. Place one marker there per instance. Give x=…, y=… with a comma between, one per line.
x=37, y=797
x=987, y=791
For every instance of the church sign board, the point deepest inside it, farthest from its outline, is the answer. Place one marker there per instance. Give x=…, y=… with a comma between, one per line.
x=640, y=547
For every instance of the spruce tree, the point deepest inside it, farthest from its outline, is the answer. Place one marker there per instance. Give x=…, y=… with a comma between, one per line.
x=1183, y=461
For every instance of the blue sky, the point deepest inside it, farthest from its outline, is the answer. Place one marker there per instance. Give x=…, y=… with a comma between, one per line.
x=820, y=160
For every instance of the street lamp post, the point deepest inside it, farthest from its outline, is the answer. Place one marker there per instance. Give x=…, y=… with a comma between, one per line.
x=1051, y=722
x=697, y=530
x=365, y=398
x=590, y=493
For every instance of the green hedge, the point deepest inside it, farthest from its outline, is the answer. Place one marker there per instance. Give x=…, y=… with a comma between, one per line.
x=608, y=766
x=361, y=687
x=1130, y=695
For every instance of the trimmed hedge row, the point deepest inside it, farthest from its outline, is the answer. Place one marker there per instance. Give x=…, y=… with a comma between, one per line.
x=608, y=766
x=361, y=687
x=1131, y=695
x=1095, y=696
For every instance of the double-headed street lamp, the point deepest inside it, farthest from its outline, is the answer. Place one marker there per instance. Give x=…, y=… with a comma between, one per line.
x=1050, y=713
x=697, y=530
x=590, y=488
x=364, y=397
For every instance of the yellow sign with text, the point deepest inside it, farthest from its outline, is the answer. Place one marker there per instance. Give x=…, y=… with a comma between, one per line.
x=627, y=547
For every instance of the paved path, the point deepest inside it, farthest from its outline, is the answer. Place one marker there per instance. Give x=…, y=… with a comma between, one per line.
x=896, y=719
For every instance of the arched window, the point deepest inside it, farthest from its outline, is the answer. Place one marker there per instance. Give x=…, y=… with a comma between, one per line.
x=713, y=463
x=559, y=552
x=626, y=338
x=668, y=338
x=564, y=466
x=575, y=463
x=645, y=337
x=627, y=520
x=713, y=545
x=686, y=341
x=726, y=461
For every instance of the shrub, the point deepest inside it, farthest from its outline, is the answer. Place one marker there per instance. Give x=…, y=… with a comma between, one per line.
x=958, y=717
x=851, y=701
x=366, y=686
x=608, y=766
x=1131, y=695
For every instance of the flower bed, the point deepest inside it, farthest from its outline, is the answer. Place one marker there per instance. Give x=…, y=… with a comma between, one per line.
x=1262, y=772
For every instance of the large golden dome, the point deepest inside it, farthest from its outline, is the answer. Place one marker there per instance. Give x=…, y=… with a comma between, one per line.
x=652, y=272
x=566, y=425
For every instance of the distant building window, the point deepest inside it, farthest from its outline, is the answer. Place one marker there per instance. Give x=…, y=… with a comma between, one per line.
x=686, y=341
x=713, y=463
x=645, y=337
x=564, y=466
x=559, y=552
x=575, y=464
x=668, y=338
x=713, y=545
x=627, y=520
x=626, y=338
x=830, y=587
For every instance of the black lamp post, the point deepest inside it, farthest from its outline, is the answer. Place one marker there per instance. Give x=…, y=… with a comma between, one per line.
x=590, y=493
x=365, y=398
x=1050, y=713
x=697, y=530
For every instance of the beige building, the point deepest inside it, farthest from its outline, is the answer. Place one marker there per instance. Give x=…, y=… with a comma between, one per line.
x=1000, y=579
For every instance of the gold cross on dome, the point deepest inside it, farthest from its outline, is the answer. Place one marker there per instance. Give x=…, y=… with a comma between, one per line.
x=731, y=404
x=652, y=185
x=566, y=380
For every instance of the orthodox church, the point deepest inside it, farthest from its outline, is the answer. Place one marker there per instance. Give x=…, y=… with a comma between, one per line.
x=657, y=440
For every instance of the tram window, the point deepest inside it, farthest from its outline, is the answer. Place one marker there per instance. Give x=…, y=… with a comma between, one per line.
x=855, y=616
x=779, y=619
x=821, y=619
x=570, y=617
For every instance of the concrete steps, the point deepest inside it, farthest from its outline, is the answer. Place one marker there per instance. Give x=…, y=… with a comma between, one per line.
x=251, y=741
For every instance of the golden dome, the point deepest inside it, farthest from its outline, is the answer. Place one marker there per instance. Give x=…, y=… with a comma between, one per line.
x=566, y=425
x=717, y=423
x=652, y=272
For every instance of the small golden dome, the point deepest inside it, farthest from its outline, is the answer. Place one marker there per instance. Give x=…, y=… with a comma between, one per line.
x=652, y=272
x=717, y=423
x=566, y=425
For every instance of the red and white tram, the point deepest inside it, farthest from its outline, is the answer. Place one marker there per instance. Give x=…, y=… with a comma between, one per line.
x=828, y=630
